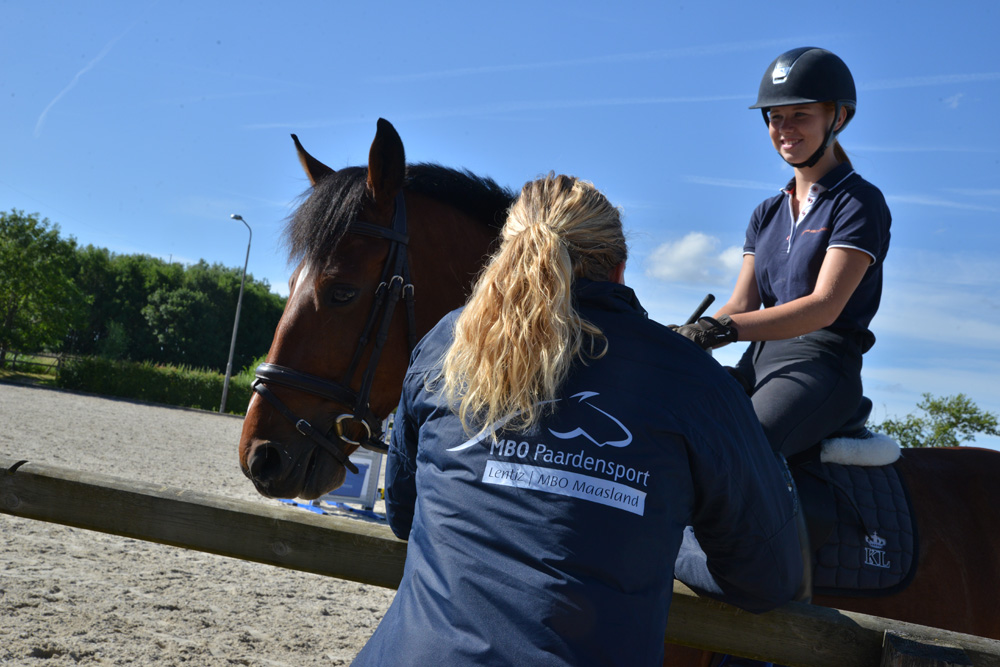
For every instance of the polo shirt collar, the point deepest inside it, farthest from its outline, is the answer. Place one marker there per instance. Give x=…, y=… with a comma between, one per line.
x=830, y=180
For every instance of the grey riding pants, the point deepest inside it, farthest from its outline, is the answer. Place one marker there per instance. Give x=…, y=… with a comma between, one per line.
x=804, y=388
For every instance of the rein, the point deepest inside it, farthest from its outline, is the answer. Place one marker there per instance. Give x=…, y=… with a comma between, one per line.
x=394, y=285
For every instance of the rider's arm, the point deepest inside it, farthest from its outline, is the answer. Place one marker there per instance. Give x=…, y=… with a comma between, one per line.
x=839, y=275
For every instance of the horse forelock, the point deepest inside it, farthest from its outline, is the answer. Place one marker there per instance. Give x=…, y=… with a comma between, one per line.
x=315, y=228
x=319, y=222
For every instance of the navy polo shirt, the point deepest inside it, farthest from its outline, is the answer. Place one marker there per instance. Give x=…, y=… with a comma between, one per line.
x=847, y=212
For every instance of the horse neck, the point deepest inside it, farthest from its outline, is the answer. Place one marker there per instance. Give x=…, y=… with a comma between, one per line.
x=447, y=250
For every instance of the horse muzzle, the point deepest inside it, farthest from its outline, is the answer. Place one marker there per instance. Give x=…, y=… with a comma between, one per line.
x=278, y=473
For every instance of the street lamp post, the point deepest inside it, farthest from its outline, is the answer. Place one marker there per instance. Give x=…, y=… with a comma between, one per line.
x=236, y=324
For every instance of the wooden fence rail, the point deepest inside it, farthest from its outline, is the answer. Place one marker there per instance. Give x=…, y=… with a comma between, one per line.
x=795, y=634
x=38, y=362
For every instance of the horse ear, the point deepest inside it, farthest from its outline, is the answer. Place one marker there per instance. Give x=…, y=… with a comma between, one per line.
x=314, y=169
x=386, y=163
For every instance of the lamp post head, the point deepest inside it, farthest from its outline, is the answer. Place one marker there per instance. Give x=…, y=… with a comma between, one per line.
x=236, y=216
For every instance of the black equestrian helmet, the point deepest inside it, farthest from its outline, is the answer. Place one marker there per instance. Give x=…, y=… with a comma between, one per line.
x=805, y=75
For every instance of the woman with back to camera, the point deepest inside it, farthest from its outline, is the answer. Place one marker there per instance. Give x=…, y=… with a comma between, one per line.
x=812, y=258
x=550, y=446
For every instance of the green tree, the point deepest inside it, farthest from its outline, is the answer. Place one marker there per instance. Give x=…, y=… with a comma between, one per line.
x=176, y=319
x=144, y=309
x=39, y=302
x=948, y=422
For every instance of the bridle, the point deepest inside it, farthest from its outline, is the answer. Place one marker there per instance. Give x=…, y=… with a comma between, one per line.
x=394, y=285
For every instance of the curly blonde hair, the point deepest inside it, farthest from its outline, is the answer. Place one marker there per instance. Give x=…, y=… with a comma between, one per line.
x=520, y=332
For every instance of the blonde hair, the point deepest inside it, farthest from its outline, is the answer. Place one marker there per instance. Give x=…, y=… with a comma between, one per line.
x=838, y=150
x=520, y=332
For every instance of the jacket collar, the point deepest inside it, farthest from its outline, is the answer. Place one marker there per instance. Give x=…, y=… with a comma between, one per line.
x=607, y=295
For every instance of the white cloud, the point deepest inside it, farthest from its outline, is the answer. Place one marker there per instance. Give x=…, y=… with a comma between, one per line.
x=86, y=68
x=944, y=301
x=952, y=102
x=924, y=200
x=938, y=80
x=973, y=192
x=495, y=110
x=869, y=148
x=614, y=58
x=696, y=258
x=731, y=183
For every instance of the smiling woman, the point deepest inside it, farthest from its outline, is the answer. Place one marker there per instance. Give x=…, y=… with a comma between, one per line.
x=811, y=279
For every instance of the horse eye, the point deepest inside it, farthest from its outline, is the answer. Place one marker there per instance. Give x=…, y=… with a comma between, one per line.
x=341, y=294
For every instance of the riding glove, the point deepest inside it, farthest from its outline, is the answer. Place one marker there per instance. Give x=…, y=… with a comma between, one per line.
x=709, y=332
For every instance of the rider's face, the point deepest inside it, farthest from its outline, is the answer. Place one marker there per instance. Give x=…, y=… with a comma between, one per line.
x=797, y=130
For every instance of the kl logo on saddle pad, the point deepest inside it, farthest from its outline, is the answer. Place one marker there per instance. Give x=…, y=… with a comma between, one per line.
x=875, y=551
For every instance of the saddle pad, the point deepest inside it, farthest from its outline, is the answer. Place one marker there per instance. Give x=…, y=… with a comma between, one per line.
x=872, y=549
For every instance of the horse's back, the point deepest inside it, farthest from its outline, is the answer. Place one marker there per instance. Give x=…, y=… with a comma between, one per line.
x=954, y=493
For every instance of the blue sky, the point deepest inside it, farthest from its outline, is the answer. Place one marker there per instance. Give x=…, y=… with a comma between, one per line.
x=140, y=127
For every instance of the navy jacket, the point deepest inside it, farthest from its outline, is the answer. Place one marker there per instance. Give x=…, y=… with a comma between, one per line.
x=556, y=546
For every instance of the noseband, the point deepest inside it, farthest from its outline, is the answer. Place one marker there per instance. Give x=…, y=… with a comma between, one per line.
x=394, y=284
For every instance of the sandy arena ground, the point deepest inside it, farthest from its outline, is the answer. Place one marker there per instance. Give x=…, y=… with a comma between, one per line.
x=76, y=597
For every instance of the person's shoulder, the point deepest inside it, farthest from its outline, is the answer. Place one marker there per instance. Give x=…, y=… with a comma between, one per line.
x=857, y=187
x=432, y=347
x=770, y=202
x=657, y=351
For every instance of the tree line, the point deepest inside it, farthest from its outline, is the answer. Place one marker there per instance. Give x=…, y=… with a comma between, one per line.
x=57, y=296
x=60, y=297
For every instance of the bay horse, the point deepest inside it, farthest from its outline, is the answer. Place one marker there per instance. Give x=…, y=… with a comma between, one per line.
x=336, y=365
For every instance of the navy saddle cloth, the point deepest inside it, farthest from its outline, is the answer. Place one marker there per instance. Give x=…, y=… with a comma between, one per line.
x=862, y=532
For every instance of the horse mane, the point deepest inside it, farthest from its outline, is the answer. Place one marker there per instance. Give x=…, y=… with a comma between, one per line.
x=314, y=230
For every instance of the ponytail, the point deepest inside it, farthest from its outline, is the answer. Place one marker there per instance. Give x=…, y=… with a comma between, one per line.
x=520, y=333
x=840, y=153
x=838, y=150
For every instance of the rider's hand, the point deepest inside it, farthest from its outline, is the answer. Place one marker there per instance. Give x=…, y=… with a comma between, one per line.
x=709, y=332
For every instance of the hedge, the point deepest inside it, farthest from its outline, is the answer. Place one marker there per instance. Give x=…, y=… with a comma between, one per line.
x=146, y=381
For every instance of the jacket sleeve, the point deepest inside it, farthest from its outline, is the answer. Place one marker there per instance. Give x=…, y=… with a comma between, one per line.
x=747, y=548
x=401, y=470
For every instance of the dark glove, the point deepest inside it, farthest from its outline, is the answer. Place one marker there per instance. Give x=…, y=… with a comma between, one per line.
x=709, y=332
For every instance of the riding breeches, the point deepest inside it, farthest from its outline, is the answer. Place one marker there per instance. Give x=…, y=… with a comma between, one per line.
x=804, y=388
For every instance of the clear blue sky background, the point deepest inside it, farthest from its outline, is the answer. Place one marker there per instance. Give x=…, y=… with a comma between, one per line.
x=140, y=126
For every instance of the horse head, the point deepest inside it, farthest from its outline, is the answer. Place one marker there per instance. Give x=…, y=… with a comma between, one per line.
x=383, y=253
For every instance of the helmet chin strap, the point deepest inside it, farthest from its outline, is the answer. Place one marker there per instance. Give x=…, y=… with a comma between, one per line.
x=829, y=139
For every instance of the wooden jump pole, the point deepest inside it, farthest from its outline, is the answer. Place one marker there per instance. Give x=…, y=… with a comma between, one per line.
x=795, y=634
x=341, y=548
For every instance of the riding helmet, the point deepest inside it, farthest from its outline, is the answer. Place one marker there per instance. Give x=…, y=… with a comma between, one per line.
x=805, y=75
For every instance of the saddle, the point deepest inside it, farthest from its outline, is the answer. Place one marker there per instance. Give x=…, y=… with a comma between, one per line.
x=862, y=533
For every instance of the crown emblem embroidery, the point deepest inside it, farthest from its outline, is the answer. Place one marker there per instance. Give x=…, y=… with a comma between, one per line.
x=874, y=552
x=874, y=541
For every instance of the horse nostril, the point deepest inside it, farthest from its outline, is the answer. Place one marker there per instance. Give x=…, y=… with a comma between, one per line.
x=264, y=463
